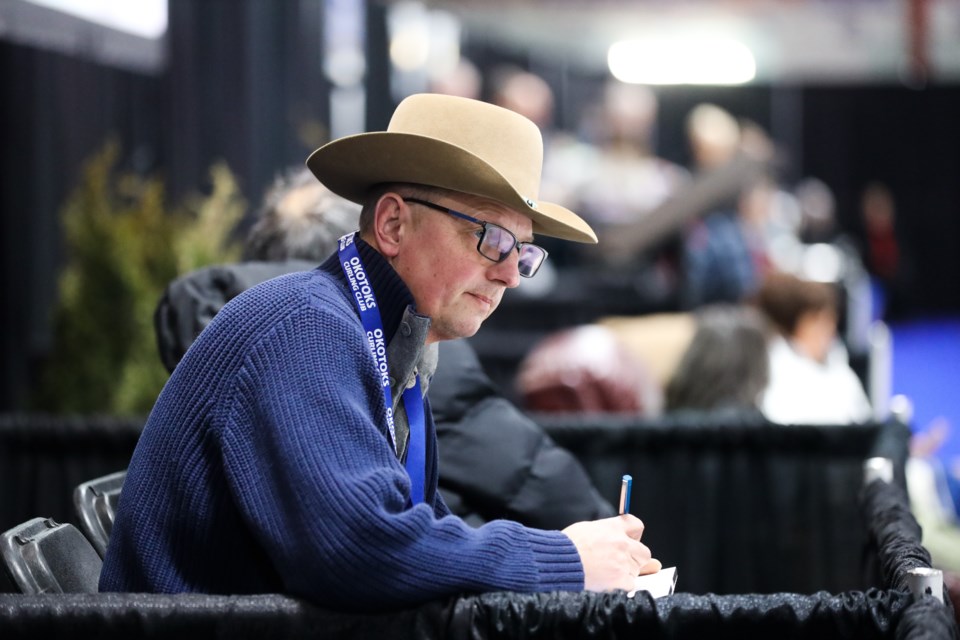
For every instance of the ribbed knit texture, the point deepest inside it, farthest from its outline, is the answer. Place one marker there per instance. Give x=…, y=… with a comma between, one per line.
x=265, y=467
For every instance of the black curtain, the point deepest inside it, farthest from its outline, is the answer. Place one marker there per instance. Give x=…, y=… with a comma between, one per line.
x=245, y=85
x=44, y=458
x=739, y=505
x=55, y=112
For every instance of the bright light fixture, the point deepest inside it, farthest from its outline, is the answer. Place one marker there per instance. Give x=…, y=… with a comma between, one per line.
x=145, y=18
x=682, y=61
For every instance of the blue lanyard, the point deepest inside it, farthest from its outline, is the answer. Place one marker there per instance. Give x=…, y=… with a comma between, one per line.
x=366, y=303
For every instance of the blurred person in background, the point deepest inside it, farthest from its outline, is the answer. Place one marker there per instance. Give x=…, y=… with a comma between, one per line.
x=627, y=179
x=811, y=381
x=296, y=228
x=617, y=180
x=727, y=253
x=817, y=208
x=586, y=369
x=933, y=488
x=464, y=80
x=528, y=94
x=883, y=255
x=725, y=368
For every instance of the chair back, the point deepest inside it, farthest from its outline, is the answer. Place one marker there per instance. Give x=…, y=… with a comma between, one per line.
x=96, y=505
x=44, y=556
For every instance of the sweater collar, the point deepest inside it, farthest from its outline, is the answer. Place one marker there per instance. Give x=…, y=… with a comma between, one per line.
x=393, y=296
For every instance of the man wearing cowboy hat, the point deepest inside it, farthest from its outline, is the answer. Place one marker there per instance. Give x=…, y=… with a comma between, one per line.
x=293, y=448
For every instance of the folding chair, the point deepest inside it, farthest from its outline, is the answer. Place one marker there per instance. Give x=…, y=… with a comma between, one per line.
x=44, y=556
x=96, y=504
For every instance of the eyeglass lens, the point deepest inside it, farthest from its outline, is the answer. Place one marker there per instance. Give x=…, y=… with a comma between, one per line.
x=497, y=243
x=531, y=258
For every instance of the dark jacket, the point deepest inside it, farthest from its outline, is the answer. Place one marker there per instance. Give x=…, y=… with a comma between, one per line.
x=494, y=461
x=190, y=302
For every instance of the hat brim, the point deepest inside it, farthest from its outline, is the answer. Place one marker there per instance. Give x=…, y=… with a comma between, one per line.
x=350, y=166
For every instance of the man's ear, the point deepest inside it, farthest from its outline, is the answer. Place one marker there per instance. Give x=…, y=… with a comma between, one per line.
x=390, y=218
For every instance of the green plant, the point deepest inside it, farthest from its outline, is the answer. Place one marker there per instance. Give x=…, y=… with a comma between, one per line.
x=123, y=247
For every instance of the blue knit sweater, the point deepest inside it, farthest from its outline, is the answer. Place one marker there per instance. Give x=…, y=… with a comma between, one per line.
x=265, y=467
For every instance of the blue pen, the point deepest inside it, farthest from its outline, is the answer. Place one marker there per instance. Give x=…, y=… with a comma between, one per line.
x=626, y=484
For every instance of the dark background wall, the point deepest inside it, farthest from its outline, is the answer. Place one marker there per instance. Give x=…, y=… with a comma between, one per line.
x=244, y=83
x=54, y=113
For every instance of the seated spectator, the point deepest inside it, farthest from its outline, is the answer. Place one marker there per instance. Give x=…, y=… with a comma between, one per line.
x=714, y=359
x=811, y=381
x=727, y=253
x=616, y=178
x=297, y=227
x=656, y=339
x=586, y=369
x=274, y=461
x=888, y=261
x=494, y=463
x=725, y=367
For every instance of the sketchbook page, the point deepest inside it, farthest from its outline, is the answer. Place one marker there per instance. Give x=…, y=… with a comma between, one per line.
x=658, y=584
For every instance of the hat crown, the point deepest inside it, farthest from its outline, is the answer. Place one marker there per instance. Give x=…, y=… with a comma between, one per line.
x=453, y=143
x=505, y=140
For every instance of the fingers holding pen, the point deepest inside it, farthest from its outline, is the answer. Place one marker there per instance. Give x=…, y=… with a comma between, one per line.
x=611, y=552
x=633, y=527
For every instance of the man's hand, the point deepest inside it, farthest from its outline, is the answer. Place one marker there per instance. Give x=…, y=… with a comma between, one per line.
x=611, y=552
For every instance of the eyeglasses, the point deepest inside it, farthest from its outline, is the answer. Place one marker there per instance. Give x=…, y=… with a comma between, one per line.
x=495, y=243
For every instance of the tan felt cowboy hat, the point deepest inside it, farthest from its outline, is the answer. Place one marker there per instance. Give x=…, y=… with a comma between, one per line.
x=455, y=143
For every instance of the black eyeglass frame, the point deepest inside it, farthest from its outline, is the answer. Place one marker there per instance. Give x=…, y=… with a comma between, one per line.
x=485, y=225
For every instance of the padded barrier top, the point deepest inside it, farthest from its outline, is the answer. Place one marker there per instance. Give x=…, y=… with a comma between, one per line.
x=871, y=614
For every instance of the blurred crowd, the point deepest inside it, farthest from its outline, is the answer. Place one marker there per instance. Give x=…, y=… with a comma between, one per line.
x=763, y=295
x=736, y=261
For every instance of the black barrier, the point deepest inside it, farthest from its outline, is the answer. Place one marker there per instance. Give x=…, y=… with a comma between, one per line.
x=738, y=507
x=187, y=616
x=494, y=615
x=741, y=507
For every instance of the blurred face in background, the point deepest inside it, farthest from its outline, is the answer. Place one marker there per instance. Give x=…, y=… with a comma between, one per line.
x=815, y=333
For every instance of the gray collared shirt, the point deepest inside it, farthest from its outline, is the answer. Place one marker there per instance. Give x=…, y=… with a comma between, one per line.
x=407, y=357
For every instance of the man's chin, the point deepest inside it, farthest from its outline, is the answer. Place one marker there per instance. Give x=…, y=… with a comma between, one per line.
x=464, y=330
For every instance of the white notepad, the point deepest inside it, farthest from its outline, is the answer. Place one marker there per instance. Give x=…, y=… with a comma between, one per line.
x=657, y=584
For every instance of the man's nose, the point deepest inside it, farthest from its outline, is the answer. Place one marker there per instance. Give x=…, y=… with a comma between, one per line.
x=508, y=271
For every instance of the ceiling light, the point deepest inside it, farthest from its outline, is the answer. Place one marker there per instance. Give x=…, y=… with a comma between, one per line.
x=682, y=61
